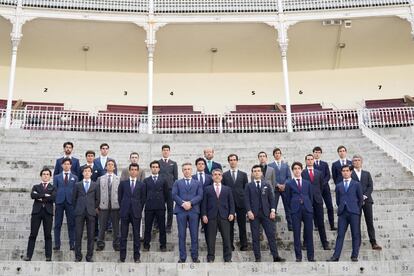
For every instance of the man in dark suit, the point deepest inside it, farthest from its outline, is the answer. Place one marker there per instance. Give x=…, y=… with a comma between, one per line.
x=261, y=210
x=323, y=167
x=300, y=197
x=187, y=194
x=283, y=174
x=210, y=164
x=217, y=211
x=169, y=169
x=237, y=181
x=131, y=202
x=200, y=174
x=90, y=157
x=155, y=194
x=315, y=178
x=100, y=162
x=44, y=196
x=365, y=179
x=268, y=173
x=68, y=149
x=86, y=203
x=338, y=164
x=65, y=184
x=349, y=199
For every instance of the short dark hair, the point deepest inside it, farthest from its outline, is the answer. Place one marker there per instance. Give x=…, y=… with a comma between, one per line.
x=276, y=150
x=256, y=166
x=68, y=143
x=87, y=167
x=341, y=147
x=110, y=160
x=261, y=153
x=350, y=167
x=306, y=156
x=133, y=165
x=155, y=162
x=103, y=145
x=232, y=155
x=200, y=159
x=296, y=163
x=67, y=160
x=89, y=152
x=165, y=147
x=133, y=153
x=317, y=148
x=45, y=169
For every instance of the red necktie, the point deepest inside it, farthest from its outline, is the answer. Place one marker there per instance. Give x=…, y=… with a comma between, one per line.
x=299, y=186
x=217, y=191
x=311, y=175
x=66, y=178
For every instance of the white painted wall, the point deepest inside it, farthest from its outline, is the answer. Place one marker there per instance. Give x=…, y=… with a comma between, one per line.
x=215, y=92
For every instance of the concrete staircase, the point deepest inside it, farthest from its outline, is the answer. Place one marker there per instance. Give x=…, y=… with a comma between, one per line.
x=400, y=137
x=24, y=153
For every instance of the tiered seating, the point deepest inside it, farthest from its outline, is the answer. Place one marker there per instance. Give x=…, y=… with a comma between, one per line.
x=131, y=109
x=398, y=102
x=174, y=109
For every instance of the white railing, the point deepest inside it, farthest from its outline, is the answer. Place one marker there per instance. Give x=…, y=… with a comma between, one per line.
x=202, y=6
x=55, y=118
x=393, y=151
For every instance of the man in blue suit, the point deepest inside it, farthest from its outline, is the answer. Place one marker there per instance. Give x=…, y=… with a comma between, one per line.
x=68, y=149
x=187, y=194
x=217, y=211
x=100, y=162
x=338, y=164
x=90, y=157
x=315, y=178
x=261, y=210
x=131, y=202
x=210, y=164
x=283, y=175
x=300, y=197
x=65, y=184
x=200, y=174
x=349, y=199
x=323, y=167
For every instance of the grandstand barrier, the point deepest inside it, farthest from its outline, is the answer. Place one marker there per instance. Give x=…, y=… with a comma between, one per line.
x=70, y=120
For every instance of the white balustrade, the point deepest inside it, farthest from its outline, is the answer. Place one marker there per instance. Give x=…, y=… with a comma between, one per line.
x=304, y=5
x=92, y=5
x=388, y=117
x=325, y=120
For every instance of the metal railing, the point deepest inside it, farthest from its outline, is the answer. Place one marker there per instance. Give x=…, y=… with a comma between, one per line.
x=202, y=6
x=55, y=118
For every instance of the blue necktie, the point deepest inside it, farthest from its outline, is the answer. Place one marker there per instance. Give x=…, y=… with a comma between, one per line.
x=201, y=178
x=86, y=186
x=346, y=186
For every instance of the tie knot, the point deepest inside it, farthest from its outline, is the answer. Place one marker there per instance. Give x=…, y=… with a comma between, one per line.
x=258, y=183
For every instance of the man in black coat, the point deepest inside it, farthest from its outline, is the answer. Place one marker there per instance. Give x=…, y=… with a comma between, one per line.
x=155, y=194
x=44, y=195
x=86, y=203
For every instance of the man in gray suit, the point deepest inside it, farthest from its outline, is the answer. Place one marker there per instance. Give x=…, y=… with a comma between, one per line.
x=108, y=205
x=133, y=159
x=168, y=169
x=283, y=175
x=268, y=173
x=86, y=202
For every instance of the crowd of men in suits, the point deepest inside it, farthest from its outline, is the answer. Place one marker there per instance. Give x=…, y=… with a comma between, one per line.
x=97, y=196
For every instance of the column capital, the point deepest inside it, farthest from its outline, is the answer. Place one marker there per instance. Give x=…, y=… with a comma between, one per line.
x=151, y=27
x=410, y=18
x=282, y=27
x=17, y=21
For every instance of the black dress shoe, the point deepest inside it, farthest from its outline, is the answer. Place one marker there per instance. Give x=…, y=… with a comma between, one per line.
x=311, y=260
x=121, y=261
x=210, y=260
x=326, y=247
x=181, y=261
x=89, y=260
x=332, y=259
x=290, y=229
x=243, y=248
x=278, y=259
x=298, y=260
x=56, y=248
x=146, y=248
x=233, y=248
x=48, y=259
x=77, y=260
x=333, y=228
x=137, y=261
x=258, y=260
x=227, y=261
x=168, y=230
x=27, y=259
x=72, y=248
x=163, y=249
x=354, y=259
x=196, y=260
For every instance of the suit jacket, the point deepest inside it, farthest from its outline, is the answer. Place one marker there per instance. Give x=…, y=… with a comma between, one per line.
x=94, y=176
x=102, y=183
x=41, y=200
x=88, y=201
x=367, y=184
x=156, y=193
x=182, y=192
x=236, y=187
x=125, y=174
x=252, y=198
x=212, y=207
x=269, y=177
x=64, y=191
x=101, y=170
x=214, y=165
x=208, y=180
x=130, y=202
x=294, y=196
x=353, y=198
x=317, y=184
x=323, y=167
x=169, y=170
x=75, y=169
x=283, y=174
x=336, y=170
